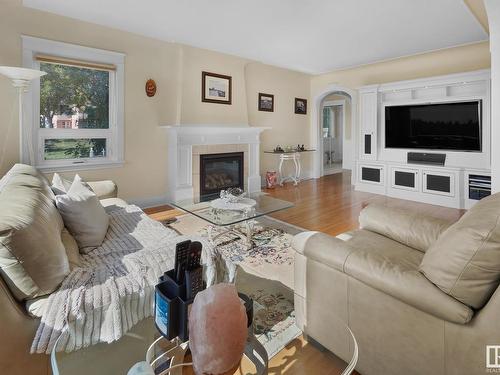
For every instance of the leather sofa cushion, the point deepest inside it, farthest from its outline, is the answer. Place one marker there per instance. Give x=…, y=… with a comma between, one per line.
x=111, y=204
x=410, y=228
x=33, y=259
x=385, y=265
x=322, y=248
x=104, y=189
x=393, y=269
x=465, y=261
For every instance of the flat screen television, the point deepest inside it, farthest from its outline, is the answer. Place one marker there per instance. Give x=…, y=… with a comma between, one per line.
x=443, y=126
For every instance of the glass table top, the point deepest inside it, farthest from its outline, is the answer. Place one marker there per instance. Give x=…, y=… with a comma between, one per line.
x=264, y=205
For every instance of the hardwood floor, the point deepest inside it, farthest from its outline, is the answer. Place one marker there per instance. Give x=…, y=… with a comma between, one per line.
x=329, y=205
x=297, y=358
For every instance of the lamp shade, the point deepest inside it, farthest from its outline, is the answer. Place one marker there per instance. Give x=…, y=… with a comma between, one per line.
x=20, y=77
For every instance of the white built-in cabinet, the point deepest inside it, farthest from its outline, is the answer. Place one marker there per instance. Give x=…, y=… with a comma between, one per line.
x=416, y=182
x=386, y=171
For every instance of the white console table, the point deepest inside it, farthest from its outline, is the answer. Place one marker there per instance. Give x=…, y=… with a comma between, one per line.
x=289, y=156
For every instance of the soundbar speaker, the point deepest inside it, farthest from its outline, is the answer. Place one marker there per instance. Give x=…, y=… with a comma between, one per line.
x=426, y=158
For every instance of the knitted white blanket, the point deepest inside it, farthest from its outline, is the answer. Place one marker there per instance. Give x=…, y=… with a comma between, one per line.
x=114, y=288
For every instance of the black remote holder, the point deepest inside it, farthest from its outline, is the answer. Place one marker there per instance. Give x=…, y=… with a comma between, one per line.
x=170, y=293
x=166, y=310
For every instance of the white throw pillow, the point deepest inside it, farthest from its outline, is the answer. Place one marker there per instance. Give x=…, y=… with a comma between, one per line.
x=61, y=186
x=83, y=215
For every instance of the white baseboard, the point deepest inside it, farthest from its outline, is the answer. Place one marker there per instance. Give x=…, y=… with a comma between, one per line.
x=149, y=201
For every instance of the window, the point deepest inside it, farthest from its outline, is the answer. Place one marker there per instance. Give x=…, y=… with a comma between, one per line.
x=77, y=106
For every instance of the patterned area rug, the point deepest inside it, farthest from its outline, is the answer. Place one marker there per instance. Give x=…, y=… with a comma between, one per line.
x=265, y=273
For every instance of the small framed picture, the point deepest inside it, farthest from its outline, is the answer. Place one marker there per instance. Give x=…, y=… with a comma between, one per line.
x=266, y=102
x=215, y=88
x=301, y=106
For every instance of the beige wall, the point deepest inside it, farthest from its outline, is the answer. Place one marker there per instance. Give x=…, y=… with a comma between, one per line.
x=146, y=58
x=447, y=61
x=194, y=111
x=177, y=71
x=288, y=128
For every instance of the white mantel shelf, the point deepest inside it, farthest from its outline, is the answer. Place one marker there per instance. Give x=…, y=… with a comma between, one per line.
x=181, y=140
x=215, y=134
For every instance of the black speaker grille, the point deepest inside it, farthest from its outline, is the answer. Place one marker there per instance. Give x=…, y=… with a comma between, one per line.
x=426, y=158
x=368, y=144
x=438, y=183
x=406, y=179
x=370, y=174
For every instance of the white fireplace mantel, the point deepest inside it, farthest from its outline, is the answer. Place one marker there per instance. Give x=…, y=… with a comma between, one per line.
x=181, y=140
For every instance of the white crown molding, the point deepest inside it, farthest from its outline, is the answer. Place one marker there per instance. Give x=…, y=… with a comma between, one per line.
x=443, y=80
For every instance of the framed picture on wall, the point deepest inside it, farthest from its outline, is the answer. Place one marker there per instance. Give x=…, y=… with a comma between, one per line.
x=301, y=106
x=266, y=102
x=215, y=88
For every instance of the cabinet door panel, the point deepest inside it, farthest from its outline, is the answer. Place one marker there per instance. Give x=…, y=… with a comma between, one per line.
x=441, y=183
x=373, y=174
x=405, y=179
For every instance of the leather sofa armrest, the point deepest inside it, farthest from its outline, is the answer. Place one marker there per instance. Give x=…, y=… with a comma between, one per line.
x=104, y=189
x=322, y=248
x=410, y=228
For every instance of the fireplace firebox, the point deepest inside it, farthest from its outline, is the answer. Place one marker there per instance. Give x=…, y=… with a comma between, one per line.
x=220, y=171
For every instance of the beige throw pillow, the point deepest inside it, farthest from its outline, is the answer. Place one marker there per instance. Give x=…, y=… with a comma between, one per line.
x=465, y=260
x=33, y=260
x=83, y=215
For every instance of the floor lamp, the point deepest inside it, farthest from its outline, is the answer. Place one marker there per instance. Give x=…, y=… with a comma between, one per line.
x=21, y=78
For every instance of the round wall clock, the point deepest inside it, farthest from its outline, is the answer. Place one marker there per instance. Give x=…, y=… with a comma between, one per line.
x=150, y=87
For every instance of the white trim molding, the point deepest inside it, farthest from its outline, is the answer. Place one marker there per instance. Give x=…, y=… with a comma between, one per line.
x=316, y=128
x=181, y=140
x=114, y=135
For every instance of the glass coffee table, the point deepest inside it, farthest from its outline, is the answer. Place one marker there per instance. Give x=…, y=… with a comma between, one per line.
x=226, y=217
x=240, y=222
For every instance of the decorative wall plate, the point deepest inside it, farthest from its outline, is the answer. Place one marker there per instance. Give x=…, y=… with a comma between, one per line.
x=150, y=87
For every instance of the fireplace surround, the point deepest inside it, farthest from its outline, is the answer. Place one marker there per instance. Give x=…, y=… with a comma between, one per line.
x=220, y=171
x=187, y=142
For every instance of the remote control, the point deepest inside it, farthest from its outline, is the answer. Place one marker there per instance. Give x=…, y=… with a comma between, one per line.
x=194, y=282
x=181, y=259
x=194, y=256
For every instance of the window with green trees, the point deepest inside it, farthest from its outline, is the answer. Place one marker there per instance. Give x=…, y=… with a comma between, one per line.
x=73, y=97
x=74, y=117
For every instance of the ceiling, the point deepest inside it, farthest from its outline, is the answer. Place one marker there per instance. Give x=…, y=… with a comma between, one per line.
x=313, y=36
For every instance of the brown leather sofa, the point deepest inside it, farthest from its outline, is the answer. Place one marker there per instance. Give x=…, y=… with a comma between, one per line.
x=420, y=294
x=17, y=326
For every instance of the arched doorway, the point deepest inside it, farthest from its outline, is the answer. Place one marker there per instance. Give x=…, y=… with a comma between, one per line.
x=317, y=127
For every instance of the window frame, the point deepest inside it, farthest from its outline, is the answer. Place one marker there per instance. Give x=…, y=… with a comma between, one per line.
x=114, y=134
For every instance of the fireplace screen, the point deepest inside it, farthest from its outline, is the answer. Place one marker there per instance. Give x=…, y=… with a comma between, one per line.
x=220, y=171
